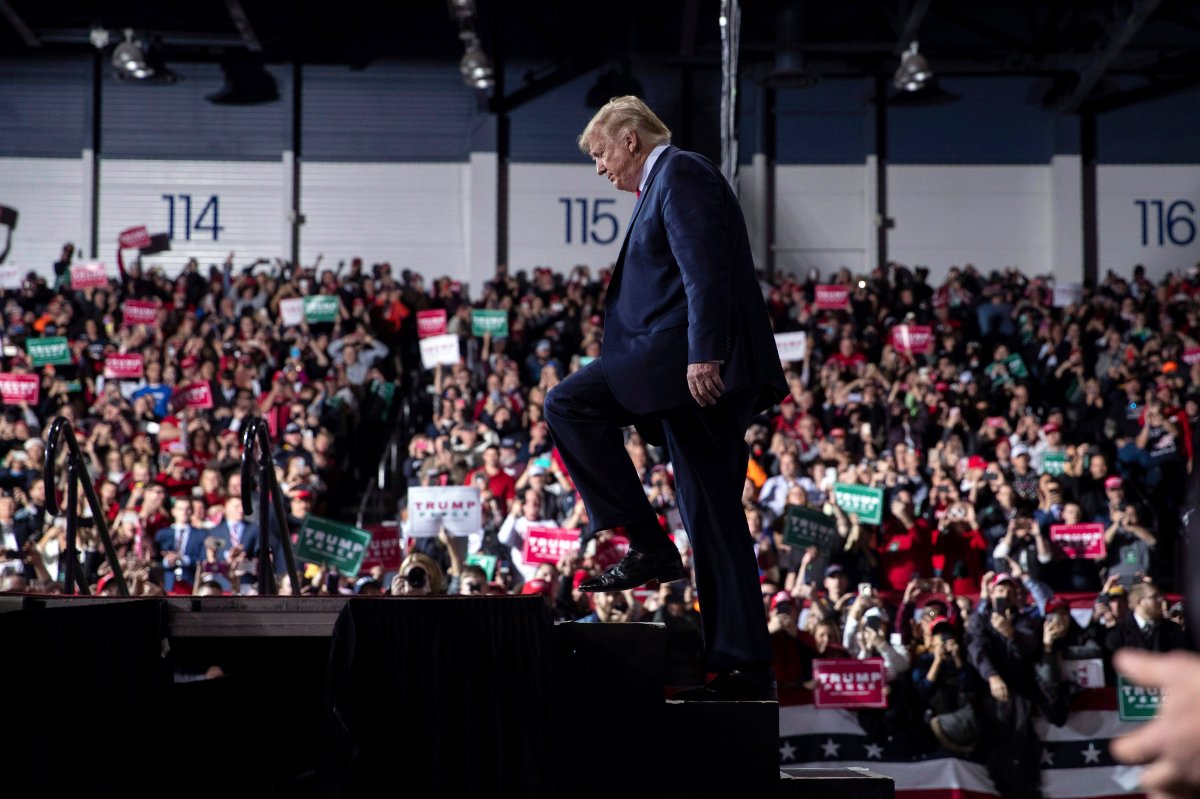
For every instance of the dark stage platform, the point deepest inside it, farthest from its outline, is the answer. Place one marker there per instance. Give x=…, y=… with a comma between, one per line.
x=334, y=697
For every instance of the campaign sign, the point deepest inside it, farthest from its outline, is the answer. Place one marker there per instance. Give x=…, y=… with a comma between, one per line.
x=1135, y=703
x=11, y=278
x=549, y=544
x=139, y=312
x=321, y=308
x=43, y=351
x=1067, y=294
x=486, y=562
x=134, y=238
x=441, y=349
x=89, y=275
x=385, y=549
x=867, y=502
x=291, y=311
x=494, y=322
x=916, y=339
x=1191, y=356
x=807, y=527
x=1054, y=463
x=197, y=395
x=18, y=388
x=832, y=298
x=1080, y=540
x=1088, y=673
x=431, y=323
x=337, y=545
x=791, y=346
x=849, y=683
x=454, y=507
x=123, y=367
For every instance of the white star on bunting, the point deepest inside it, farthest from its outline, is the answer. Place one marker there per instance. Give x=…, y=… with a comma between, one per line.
x=1047, y=757
x=1091, y=754
x=874, y=751
x=787, y=752
x=830, y=748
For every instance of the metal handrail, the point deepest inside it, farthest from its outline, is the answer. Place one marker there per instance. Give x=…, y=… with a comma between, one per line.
x=255, y=428
x=76, y=474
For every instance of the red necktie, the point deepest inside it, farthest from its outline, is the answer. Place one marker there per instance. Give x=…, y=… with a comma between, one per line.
x=639, y=194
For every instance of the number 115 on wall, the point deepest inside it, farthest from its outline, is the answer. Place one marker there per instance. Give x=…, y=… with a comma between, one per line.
x=207, y=222
x=1165, y=222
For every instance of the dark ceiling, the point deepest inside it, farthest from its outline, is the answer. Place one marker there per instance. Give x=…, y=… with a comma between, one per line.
x=1089, y=54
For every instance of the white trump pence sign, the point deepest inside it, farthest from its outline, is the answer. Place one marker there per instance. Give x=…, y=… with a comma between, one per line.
x=454, y=507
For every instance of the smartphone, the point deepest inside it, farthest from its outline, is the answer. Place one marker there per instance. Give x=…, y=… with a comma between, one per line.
x=865, y=589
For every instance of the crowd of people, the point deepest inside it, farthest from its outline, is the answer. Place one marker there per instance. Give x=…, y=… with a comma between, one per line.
x=1023, y=415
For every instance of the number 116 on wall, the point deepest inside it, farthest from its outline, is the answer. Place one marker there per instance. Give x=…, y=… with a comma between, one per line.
x=207, y=222
x=1167, y=222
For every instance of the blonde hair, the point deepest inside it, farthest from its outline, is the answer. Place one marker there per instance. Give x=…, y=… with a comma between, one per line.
x=621, y=115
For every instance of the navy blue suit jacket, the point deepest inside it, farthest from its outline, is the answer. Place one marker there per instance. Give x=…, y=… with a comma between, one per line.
x=193, y=550
x=684, y=290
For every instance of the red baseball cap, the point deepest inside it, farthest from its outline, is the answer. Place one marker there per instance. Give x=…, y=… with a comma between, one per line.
x=578, y=577
x=1000, y=578
x=782, y=598
x=1057, y=603
x=536, y=587
x=1113, y=482
x=976, y=462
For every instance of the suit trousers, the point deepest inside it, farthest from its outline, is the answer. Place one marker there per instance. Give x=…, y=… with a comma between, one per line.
x=708, y=452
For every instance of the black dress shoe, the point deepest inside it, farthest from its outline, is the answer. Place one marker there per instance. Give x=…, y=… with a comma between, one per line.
x=755, y=684
x=638, y=568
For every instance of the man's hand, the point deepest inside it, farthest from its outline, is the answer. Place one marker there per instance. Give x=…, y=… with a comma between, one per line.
x=998, y=688
x=1169, y=745
x=704, y=381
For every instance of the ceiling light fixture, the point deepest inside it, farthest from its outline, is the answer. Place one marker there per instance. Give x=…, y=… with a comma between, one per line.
x=475, y=66
x=914, y=72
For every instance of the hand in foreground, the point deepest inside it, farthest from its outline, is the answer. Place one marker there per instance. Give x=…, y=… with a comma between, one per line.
x=1169, y=746
x=704, y=381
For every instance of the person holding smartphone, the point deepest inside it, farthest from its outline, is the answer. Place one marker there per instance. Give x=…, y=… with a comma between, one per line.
x=1004, y=639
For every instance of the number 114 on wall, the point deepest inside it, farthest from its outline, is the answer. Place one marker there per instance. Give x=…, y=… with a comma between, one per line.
x=1165, y=222
x=207, y=222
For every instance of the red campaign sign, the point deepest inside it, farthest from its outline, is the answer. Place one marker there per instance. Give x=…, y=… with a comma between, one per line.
x=917, y=339
x=431, y=323
x=1080, y=540
x=139, y=312
x=833, y=298
x=609, y=552
x=134, y=238
x=385, y=549
x=1191, y=356
x=123, y=367
x=197, y=395
x=849, y=683
x=89, y=275
x=18, y=388
x=549, y=544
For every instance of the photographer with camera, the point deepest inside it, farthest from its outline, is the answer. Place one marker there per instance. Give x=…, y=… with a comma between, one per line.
x=419, y=575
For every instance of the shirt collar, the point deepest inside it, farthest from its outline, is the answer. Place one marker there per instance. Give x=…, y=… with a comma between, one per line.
x=649, y=165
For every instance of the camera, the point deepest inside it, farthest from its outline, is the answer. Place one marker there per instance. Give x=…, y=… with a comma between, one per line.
x=416, y=577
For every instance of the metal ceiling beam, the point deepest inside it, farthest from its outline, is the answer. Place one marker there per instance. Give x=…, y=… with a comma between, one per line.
x=242, y=23
x=1150, y=91
x=536, y=87
x=170, y=38
x=997, y=35
x=912, y=25
x=1120, y=35
x=24, y=31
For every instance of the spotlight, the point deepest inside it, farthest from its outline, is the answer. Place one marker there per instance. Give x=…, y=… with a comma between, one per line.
x=475, y=66
x=136, y=60
x=914, y=71
x=462, y=9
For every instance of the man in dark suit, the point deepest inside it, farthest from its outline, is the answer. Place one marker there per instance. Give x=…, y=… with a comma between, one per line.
x=1145, y=627
x=182, y=545
x=688, y=356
